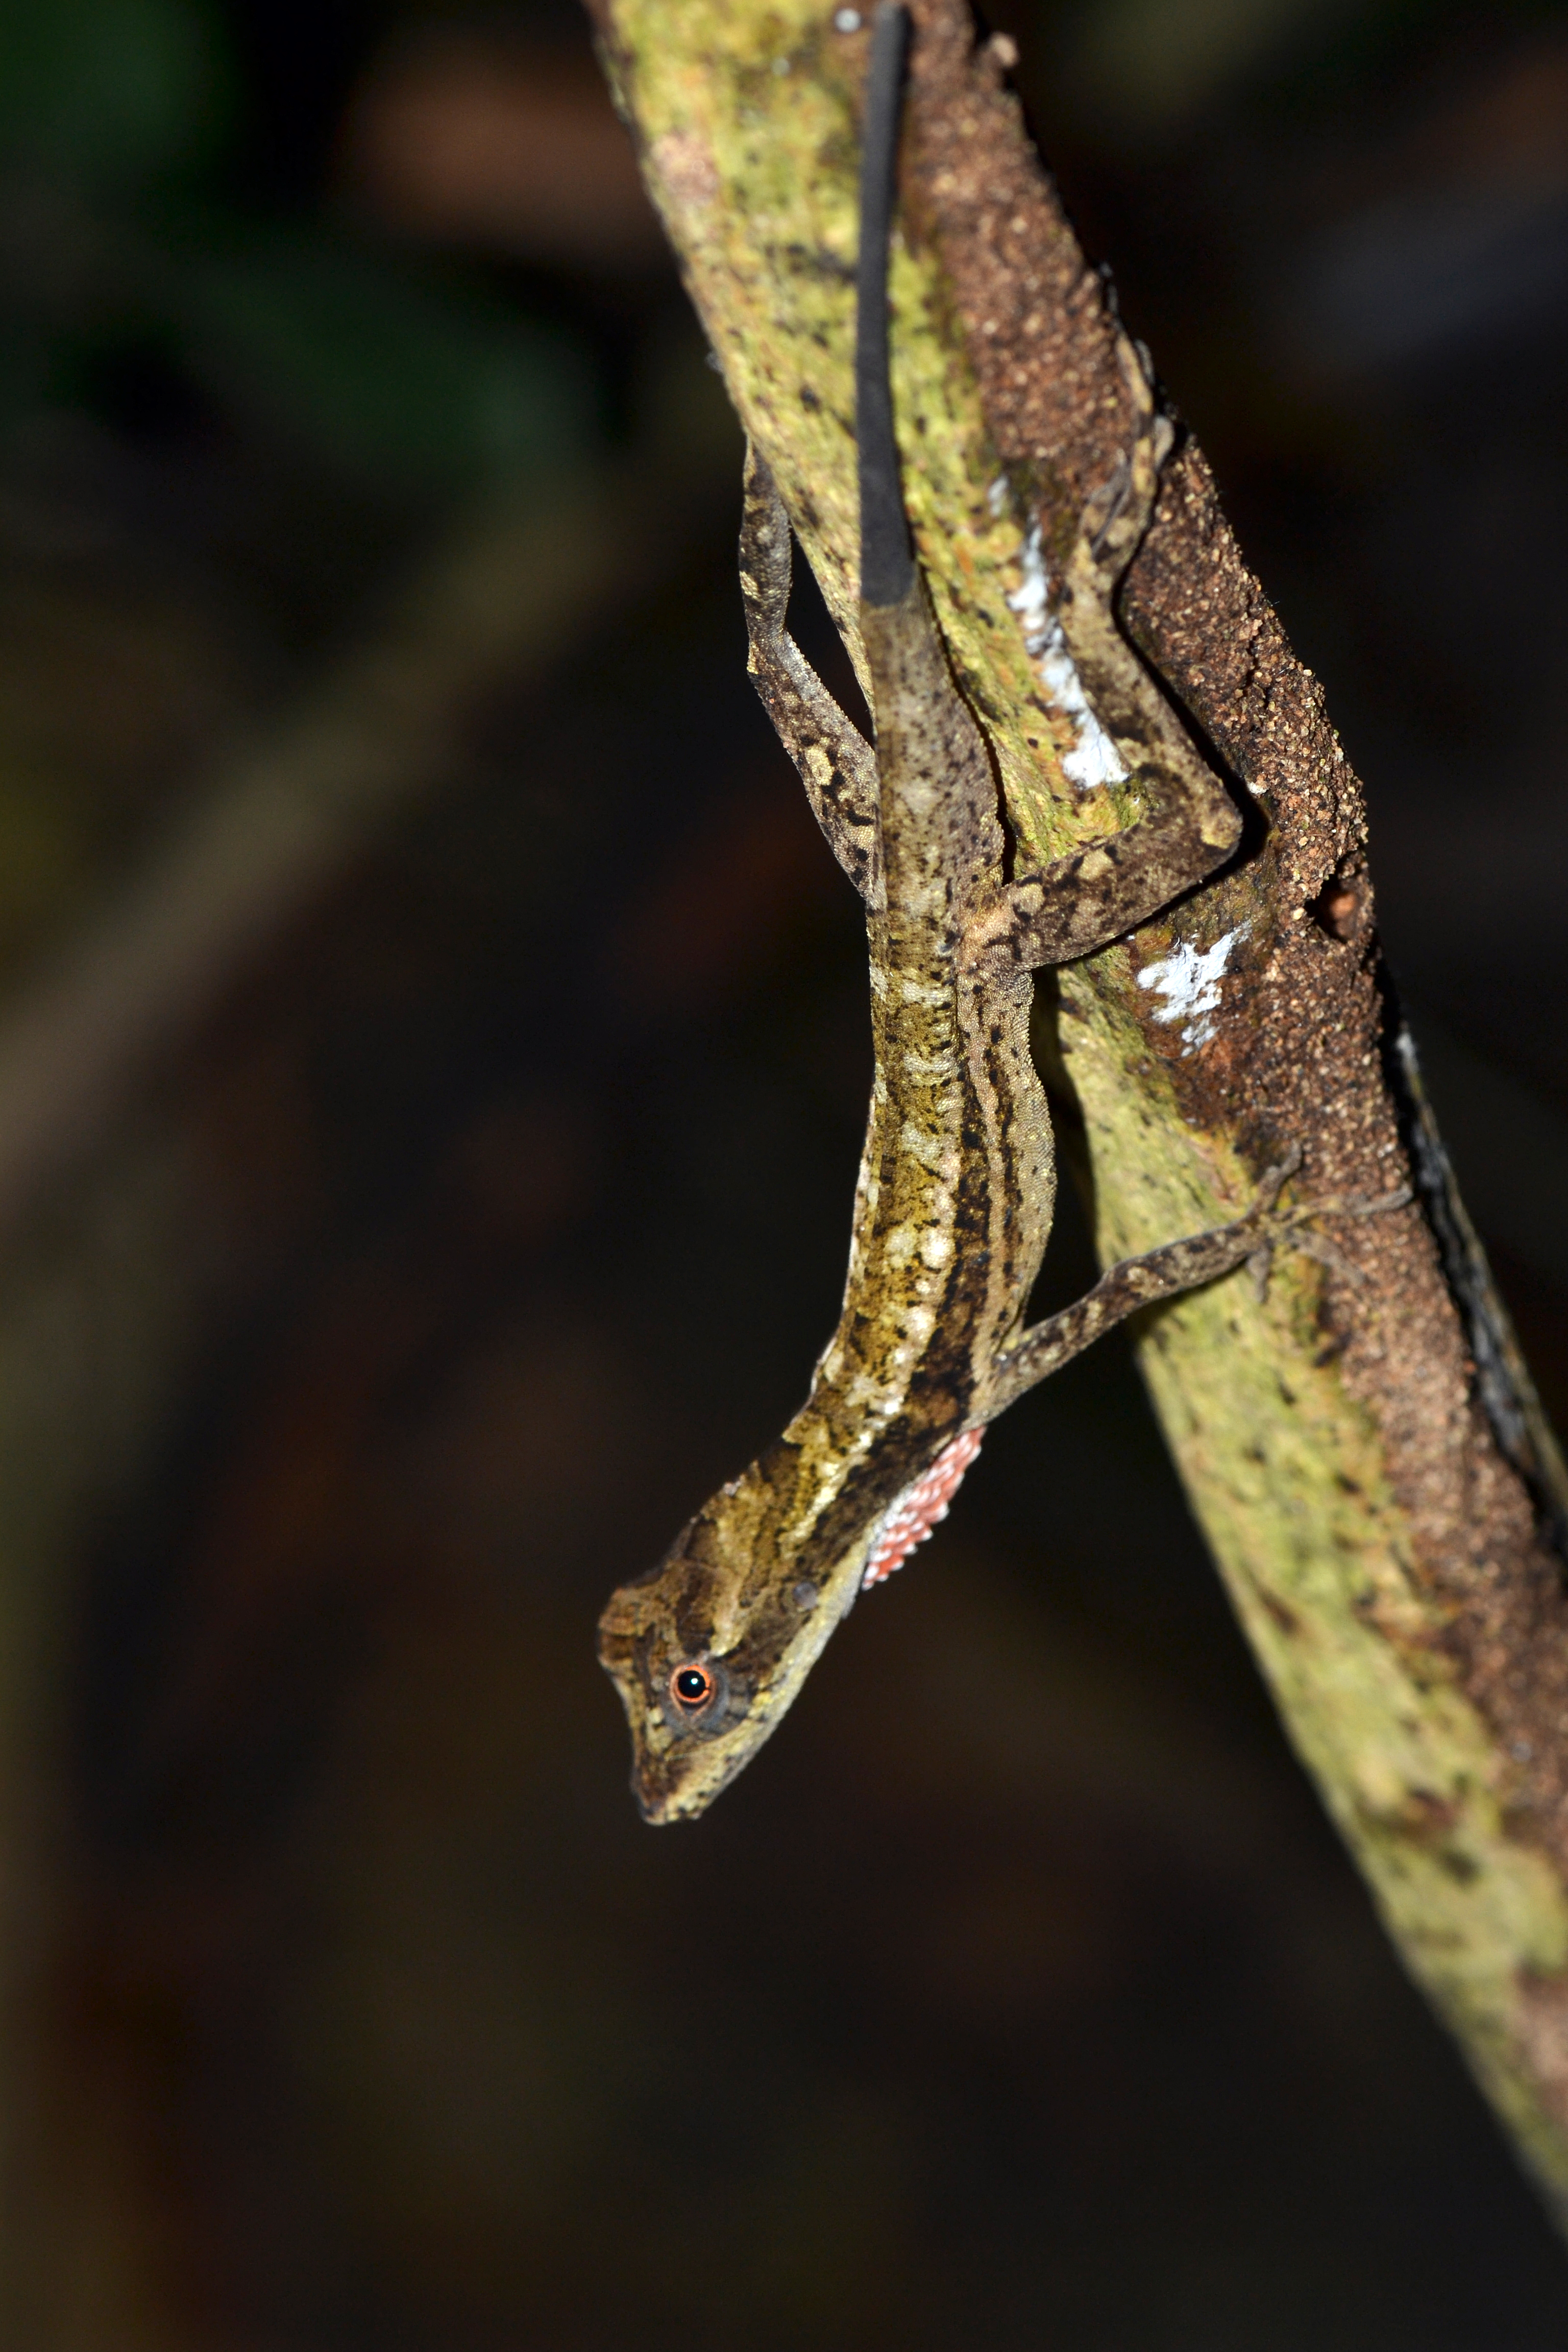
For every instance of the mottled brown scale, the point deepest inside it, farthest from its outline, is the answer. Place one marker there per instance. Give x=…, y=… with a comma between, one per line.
x=956, y=1190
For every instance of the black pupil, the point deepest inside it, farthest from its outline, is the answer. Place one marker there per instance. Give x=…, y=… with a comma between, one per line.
x=692, y=1685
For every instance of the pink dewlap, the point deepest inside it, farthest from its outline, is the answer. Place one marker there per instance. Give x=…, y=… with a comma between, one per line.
x=919, y=1507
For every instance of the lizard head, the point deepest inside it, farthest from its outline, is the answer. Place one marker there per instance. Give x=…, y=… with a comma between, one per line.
x=708, y=1649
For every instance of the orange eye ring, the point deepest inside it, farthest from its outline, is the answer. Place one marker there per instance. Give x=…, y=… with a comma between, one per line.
x=693, y=1686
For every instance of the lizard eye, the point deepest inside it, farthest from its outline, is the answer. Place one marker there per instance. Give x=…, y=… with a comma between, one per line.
x=693, y=1687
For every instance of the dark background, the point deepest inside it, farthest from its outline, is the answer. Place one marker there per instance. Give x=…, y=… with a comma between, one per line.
x=1020, y=1995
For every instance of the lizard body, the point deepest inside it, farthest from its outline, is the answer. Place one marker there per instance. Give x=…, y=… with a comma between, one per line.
x=957, y=1180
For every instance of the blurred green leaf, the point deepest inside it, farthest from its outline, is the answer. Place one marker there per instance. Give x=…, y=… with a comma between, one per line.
x=397, y=381
x=111, y=89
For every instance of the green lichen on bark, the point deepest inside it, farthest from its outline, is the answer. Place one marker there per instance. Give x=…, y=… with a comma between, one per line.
x=1379, y=1551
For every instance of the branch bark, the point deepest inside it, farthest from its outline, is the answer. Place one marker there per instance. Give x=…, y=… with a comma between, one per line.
x=1363, y=1449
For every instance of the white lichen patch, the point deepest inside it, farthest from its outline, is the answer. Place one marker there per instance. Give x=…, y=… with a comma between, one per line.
x=1094, y=758
x=1188, y=979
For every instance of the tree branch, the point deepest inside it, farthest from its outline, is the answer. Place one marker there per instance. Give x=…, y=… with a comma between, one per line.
x=1363, y=1449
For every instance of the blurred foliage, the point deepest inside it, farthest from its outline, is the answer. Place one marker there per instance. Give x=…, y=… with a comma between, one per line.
x=381, y=371
x=118, y=120
x=223, y=412
x=1161, y=65
x=113, y=92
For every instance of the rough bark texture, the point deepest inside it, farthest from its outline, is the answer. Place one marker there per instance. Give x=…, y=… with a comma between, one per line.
x=1364, y=1454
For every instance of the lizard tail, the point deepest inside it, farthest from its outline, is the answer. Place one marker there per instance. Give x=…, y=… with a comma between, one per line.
x=887, y=567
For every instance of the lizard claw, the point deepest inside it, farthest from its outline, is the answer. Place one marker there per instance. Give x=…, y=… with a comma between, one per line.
x=1286, y=1228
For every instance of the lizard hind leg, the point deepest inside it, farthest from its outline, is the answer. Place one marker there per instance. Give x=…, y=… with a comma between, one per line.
x=836, y=763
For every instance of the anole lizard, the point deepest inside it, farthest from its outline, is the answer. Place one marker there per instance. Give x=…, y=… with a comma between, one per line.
x=957, y=1180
